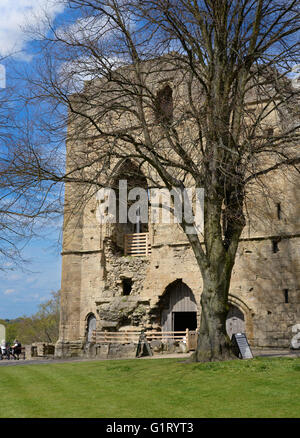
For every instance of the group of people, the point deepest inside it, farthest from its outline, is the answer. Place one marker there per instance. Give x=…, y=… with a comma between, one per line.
x=7, y=350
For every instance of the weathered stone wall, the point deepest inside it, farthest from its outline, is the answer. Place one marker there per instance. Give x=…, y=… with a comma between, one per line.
x=267, y=265
x=259, y=281
x=39, y=350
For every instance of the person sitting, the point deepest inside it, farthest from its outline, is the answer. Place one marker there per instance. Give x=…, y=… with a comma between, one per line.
x=2, y=349
x=16, y=349
x=7, y=350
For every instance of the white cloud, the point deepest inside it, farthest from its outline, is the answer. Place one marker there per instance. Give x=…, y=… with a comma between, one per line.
x=84, y=29
x=14, y=277
x=30, y=280
x=9, y=291
x=97, y=26
x=73, y=74
x=15, y=15
x=31, y=298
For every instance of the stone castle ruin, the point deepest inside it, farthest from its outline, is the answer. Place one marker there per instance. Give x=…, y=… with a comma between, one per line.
x=119, y=277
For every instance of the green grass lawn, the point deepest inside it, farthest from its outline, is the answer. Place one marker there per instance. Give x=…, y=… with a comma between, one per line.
x=160, y=388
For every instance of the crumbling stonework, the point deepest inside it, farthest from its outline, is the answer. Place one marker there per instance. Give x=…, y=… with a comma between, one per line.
x=39, y=350
x=117, y=310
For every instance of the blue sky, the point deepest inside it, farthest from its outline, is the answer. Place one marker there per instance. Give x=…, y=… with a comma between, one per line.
x=22, y=289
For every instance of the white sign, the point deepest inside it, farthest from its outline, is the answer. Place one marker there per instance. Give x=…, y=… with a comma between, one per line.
x=295, y=342
x=2, y=333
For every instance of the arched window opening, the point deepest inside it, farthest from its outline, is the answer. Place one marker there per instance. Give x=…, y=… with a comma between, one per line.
x=132, y=206
x=164, y=105
x=91, y=326
x=235, y=321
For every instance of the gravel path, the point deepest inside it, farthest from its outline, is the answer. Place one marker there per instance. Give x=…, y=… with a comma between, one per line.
x=36, y=361
x=256, y=353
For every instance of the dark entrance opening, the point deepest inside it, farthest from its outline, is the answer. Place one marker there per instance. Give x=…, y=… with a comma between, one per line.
x=127, y=286
x=184, y=320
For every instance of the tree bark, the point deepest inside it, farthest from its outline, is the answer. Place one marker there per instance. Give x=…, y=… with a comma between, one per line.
x=216, y=270
x=213, y=341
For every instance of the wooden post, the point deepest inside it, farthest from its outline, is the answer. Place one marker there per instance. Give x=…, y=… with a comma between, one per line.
x=125, y=244
x=147, y=244
x=187, y=339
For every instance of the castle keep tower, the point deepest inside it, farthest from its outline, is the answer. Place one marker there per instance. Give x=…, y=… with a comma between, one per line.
x=118, y=276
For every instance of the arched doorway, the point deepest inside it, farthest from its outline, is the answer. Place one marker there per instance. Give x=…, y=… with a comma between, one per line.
x=235, y=321
x=136, y=221
x=178, y=308
x=91, y=326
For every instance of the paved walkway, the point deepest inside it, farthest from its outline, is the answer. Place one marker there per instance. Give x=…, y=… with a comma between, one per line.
x=5, y=362
x=256, y=353
x=271, y=352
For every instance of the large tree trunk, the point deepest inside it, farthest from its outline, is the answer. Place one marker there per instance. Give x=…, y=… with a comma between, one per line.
x=216, y=268
x=213, y=341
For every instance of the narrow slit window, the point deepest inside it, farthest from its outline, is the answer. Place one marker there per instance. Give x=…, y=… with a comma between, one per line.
x=286, y=295
x=278, y=207
x=164, y=105
x=275, y=247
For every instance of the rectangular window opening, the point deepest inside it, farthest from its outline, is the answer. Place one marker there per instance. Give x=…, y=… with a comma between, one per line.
x=126, y=286
x=286, y=295
x=275, y=246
